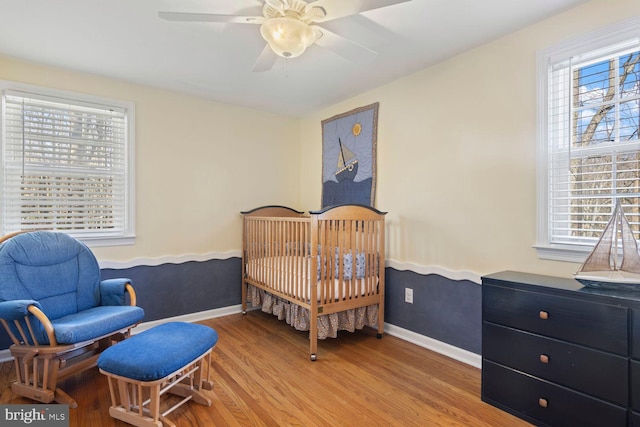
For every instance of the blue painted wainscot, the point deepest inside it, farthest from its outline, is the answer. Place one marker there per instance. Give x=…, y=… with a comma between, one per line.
x=170, y=290
x=445, y=315
x=446, y=310
x=176, y=289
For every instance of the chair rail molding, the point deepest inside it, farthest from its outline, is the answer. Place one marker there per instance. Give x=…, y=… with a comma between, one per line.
x=434, y=269
x=169, y=259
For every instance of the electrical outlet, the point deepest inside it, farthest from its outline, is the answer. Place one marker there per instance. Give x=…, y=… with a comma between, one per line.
x=408, y=295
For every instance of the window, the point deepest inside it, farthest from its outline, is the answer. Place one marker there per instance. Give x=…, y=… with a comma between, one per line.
x=589, y=147
x=66, y=164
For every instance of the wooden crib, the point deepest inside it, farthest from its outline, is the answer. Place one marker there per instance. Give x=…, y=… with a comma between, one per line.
x=328, y=262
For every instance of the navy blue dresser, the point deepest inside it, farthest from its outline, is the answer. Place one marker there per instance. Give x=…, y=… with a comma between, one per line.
x=555, y=353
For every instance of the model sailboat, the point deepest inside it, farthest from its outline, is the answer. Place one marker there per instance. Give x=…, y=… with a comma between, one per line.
x=605, y=268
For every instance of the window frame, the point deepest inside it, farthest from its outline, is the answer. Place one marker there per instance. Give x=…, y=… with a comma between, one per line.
x=602, y=39
x=127, y=237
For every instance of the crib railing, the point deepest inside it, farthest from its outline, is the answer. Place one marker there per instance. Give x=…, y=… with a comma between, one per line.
x=278, y=255
x=331, y=256
x=350, y=242
x=328, y=262
x=348, y=261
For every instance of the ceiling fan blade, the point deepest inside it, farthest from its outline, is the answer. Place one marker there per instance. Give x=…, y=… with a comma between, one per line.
x=265, y=61
x=339, y=8
x=344, y=47
x=210, y=17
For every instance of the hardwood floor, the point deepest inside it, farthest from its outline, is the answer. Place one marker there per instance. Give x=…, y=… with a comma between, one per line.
x=262, y=376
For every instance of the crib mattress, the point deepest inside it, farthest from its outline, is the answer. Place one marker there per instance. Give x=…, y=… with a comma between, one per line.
x=289, y=276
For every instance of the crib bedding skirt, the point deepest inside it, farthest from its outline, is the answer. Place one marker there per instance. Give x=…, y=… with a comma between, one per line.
x=300, y=318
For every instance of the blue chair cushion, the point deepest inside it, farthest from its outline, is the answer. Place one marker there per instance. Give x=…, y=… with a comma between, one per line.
x=94, y=322
x=60, y=275
x=159, y=351
x=56, y=270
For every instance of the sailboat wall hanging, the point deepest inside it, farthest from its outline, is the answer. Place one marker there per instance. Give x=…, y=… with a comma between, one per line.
x=611, y=265
x=349, y=157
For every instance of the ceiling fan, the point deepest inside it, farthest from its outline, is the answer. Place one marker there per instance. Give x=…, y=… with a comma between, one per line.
x=290, y=26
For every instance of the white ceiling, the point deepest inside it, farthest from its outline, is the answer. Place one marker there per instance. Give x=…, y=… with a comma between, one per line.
x=125, y=39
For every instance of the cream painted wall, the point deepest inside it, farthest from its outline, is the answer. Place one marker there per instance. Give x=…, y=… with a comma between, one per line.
x=457, y=151
x=198, y=163
x=456, y=156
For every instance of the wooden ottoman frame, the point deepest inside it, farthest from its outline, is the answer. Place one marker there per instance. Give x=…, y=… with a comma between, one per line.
x=137, y=401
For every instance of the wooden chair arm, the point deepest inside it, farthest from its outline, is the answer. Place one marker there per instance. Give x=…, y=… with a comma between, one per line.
x=46, y=323
x=10, y=235
x=132, y=293
x=48, y=327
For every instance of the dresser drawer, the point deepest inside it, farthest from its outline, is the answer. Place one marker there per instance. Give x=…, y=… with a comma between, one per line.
x=549, y=403
x=635, y=385
x=594, y=372
x=593, y=324
x=635, y=334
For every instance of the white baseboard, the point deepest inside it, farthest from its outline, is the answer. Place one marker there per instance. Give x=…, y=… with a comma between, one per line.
x=443, y=348
x=5, y=355
x=190, y=318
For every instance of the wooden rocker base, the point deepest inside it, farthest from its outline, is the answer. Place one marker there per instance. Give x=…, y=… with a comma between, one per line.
x=38, y=370
x=43, y=396
x=170, y=358
x=139, y=402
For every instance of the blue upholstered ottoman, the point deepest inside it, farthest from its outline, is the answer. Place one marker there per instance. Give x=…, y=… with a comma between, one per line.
x=164, y=359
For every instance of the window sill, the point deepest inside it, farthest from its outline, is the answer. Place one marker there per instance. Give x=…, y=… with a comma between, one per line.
x=94, y=242
x=567, y=253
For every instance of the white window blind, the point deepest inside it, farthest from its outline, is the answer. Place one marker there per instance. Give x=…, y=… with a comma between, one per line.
x=65, y=166
x=594, y=120
x=590, y=139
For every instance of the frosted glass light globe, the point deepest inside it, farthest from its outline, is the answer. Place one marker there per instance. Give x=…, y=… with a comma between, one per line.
x=287, y=37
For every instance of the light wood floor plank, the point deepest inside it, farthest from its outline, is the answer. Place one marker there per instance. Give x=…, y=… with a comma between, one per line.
x=262, y=376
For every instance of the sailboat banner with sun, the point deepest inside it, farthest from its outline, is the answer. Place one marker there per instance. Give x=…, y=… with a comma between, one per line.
x=349, y=157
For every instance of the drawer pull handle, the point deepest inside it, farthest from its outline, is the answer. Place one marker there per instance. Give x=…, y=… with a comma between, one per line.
x=543, y=402
x=544, y=358
x=544, y=315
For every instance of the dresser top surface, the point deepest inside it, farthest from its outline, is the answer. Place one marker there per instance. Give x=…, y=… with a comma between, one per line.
x=559, y=285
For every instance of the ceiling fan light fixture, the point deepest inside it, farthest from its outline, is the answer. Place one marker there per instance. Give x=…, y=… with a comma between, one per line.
x=287, y=37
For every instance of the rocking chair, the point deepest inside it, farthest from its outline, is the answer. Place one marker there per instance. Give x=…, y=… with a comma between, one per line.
x=58, y=313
